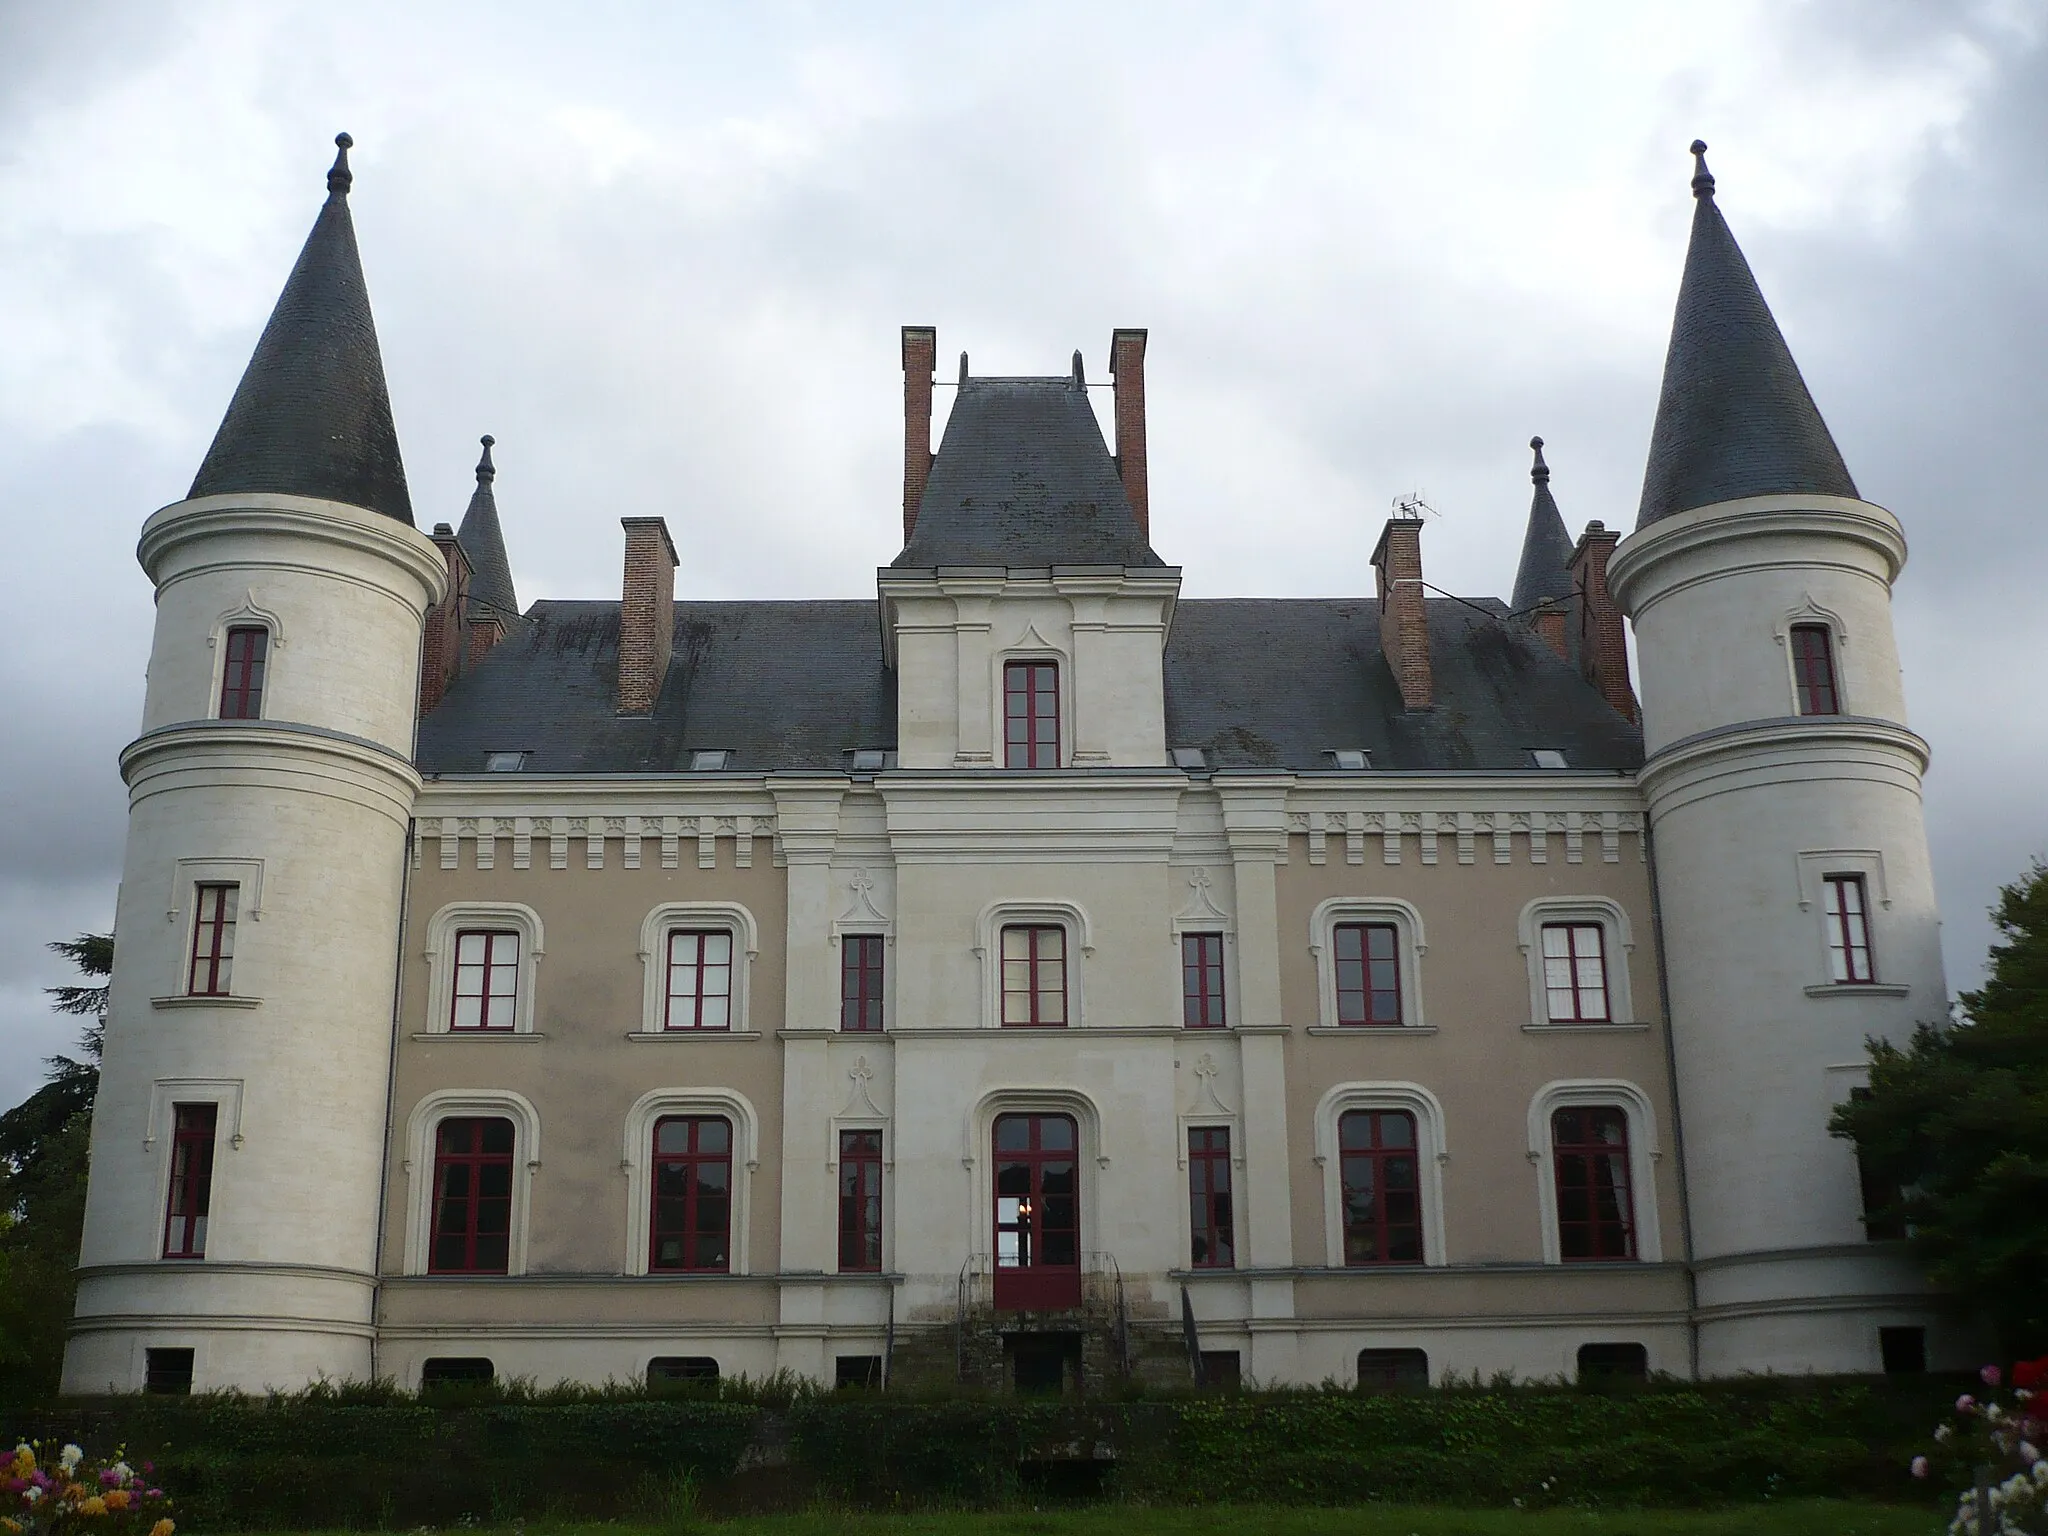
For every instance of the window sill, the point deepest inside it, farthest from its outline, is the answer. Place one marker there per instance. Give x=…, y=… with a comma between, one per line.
x=193, y=1000
x=1860, y=989
x=1582, y=1029
x=1371, y=1030
x=695, y=1034
x=507, y=1035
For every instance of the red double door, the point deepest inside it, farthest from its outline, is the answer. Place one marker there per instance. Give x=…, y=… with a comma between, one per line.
x=1038, y=1213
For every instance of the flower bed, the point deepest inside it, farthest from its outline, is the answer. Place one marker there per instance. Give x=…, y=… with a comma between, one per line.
x=67, y=1494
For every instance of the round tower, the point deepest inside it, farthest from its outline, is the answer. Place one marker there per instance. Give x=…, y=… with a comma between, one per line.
x=231, y=1217
x=1784, y=798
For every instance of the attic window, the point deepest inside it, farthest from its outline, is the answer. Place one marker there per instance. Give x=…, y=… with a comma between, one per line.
x=504, y=762
x=1190, y=758
x=1548, y=757
x=709, y=761
x=869, y=759
x=1351, y=759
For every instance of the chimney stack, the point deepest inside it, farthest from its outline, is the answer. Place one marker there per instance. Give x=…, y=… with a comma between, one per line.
x=647, y=613
x=1603, y=644
x=441, y=644
x=1127, y=368
x=920, y=362
x=1404, y=624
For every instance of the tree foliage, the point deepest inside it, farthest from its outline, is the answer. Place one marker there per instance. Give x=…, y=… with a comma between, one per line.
x=1957, y=1121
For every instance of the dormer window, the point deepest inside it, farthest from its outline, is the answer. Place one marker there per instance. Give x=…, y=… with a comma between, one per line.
x=869, y=759
x=1190, y=759
x=709, y=761
x=1548, y=757
x=241, y=675
x=1031, y=714
x=504, y=762
x=1350, y=759
x=1813, y=670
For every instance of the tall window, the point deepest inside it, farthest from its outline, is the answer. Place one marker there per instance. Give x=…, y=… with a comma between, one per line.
x=691, y=1227
x=1848, y=929
x=1368, y=973
x=486, y=980
x=213, y=940
x=1575, y=973
x=1201, y=980
x=1209, y=1204
x=1035, y=976
x=1382, y=1187
x=860, y=1200
x=1595, y=1209
x=1031, y=714
x=472, y=1198
x=1877, y=1195
x=241, y=673
x=699, y=980
x=191, y=1180
x=1813, y=670
x=860, y=981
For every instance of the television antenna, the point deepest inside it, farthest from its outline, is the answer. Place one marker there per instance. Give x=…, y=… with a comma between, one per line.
x=1414, y=507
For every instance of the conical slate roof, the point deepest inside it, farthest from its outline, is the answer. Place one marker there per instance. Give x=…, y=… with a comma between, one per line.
x=490, y=578
x=1546, y=569
x=312, y=416
x=1735, y=418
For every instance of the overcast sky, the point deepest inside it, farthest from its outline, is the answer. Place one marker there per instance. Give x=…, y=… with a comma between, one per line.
x=662, y=252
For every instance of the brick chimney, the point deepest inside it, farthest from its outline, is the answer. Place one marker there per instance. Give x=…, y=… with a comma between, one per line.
x=1602, y=642
x=1127, y=368
x=1551, y=623
x=920, y=362
x=441, y=645
x=647, y=613
x=1404, y=626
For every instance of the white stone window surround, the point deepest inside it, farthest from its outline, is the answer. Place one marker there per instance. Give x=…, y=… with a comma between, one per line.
x=1643, y=1155
x=979, y=1157
x=421, y=1128
x=225, y=1094
x=1617, y=944
x=671, y=916
x=638, y=1162
x=862, y=1114
x=248, y=614
x=1203, y=916
x=182, y=911
x=988, y=947
x=863, y=919
x=1410, y=945
x=1810, y=612
x=486, y=916
x=1032, y=646
x=1210, y=1113
x=1815, y=865
x=1432, y=1152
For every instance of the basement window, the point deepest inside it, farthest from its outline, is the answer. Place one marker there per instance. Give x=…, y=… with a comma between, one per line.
x=504, y=762
x=1190, y=759
x=709, y=762
x=1350, y=759
x=1548, y=757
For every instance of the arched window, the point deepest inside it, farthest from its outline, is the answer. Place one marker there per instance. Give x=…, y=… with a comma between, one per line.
x=472, y=1217
x=1813, y=670
x=1593, y=1144
x=1382, y=1182
x=690, y=1225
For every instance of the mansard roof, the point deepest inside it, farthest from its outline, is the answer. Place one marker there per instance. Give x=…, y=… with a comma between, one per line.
x=1735, y=417
x=490, y=572
x=1258, y=683
x=1545, y=572
x=312, y=415
x=1023, y=478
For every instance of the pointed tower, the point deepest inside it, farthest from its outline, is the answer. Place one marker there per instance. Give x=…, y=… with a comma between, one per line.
x=1543, y=579
x=491, y=595
x=1784, y=797
x=231, y=1218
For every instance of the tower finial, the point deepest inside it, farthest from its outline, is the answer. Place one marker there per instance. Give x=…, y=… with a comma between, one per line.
x=1539, y=471
x=1079, y=381
x=486, y=471
x=1702, y=178
x=339, y=176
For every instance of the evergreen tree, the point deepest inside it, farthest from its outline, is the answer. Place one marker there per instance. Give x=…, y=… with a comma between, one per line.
x=1957, y=1122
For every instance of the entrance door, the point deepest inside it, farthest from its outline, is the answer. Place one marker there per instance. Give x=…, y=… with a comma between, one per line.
x=1038, y=1212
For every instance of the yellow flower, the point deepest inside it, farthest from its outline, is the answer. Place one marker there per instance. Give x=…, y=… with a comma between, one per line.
x=162, y=1528
x=9, y=1525
x=118, y=1499
x=92, y=1506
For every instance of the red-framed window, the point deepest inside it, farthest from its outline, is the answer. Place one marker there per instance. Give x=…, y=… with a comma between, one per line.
x=860, y=1200
x=1596, y=1216
x=241, y=673
x=213, y=940
x=1035, y=976
x=1038, y=1212
x=1848, y=900
x=1575, y=974
x=860, y=981
x=1382, y=1179
x=1368, y=973
x=486, y=980
x=691, y=1226
x=1209, y=1202
x=1031, y=714
x=1813, y=670
x=699, y=979
x=191, y=1180
x=472, y=1197
x=1201, y=980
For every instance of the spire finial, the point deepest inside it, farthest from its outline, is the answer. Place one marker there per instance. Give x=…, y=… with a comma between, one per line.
x=1079, y=382
x=338, y=176
x=1702, y=178
x=963, y=367
x=1539, y=471
x=486, y=471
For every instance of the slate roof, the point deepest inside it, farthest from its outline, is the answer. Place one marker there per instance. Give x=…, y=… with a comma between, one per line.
x=1735, y=417
x=1546, y=568
x=1024, y=479
x=1269, y=683
x=490, y=572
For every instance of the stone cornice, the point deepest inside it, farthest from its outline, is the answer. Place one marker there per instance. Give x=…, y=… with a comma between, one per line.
x=1764, y=751
x=1652, y=562
x=302, y=517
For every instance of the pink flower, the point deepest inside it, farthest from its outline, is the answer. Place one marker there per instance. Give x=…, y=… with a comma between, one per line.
x=1919, y=1466
x=1966, y=1404
x=1990, y=1376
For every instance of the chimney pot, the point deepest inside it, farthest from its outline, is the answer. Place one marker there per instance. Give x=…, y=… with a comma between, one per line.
x=647, y=613
x=1404, y=620
x=1127, y=369
x=920, y=359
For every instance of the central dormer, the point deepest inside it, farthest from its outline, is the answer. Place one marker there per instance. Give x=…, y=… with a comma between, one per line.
x=1026, y=618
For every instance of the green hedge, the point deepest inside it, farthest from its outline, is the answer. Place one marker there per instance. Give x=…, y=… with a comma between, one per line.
x=316, y=1460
